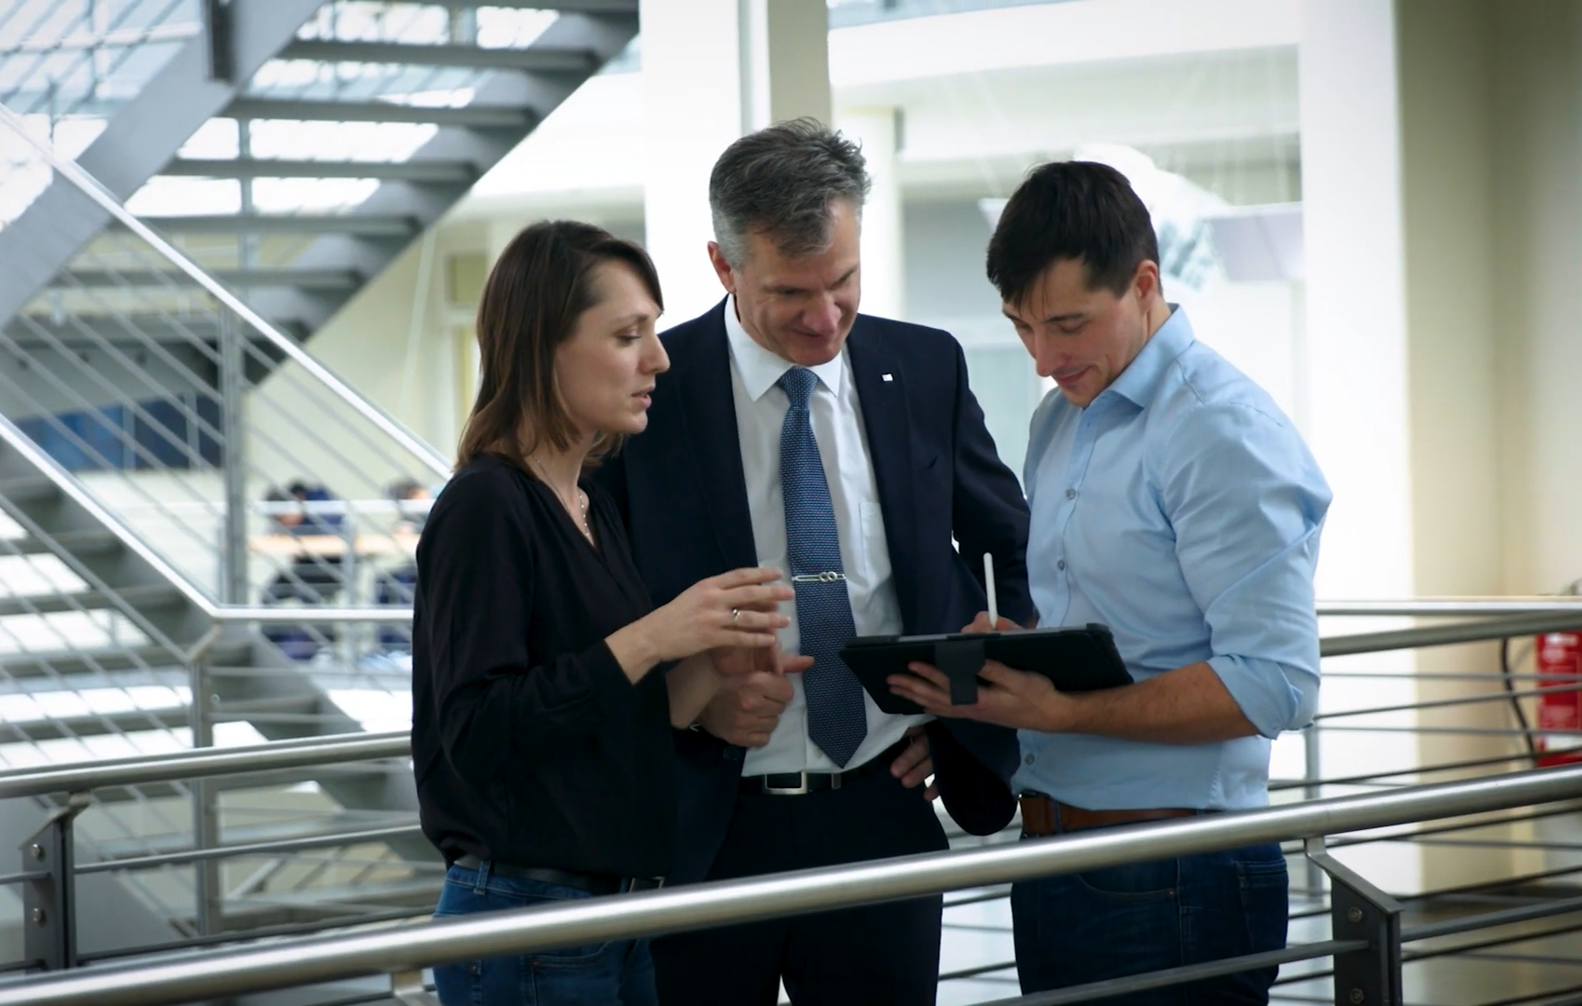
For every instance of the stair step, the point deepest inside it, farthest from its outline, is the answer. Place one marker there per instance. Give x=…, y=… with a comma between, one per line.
x=92, y=725
x=68, y=663
x=89, y=541
x=430, y=172
x=24, y=489
x=306, y=279
x=544, y=59
x=279, y=830
x=564, y=6
x=467, y=116
x=374, y=225
x=141, y=597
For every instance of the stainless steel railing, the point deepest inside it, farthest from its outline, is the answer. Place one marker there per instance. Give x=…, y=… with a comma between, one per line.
x=263, y=759
x=181, y=406
x=140, y=357
x=402, y=951
x=1544, y=613
x=203, y=763
x=72, y=62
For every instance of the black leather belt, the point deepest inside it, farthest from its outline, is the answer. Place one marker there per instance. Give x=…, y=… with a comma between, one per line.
x=593, y=883
x=803, y=783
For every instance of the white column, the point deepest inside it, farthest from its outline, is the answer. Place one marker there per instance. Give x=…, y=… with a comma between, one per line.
x=692, y=84
x=883, y=251
x=789, y=69
x=1357, y=361
x=713, y=70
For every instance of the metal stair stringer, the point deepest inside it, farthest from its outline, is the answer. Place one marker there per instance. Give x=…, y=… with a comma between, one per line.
x=33, y=498
x=138, y=140
x=283, y=684
x=599, y=31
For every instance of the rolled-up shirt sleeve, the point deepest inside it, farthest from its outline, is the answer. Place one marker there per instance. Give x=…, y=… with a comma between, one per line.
x=1247, y=503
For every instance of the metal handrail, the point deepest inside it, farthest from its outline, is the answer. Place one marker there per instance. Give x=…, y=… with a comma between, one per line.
x=75, y=490
x=203, y=763
x=307, y=615
x=395, y=744
x=423, y=944
x=1433, y=607
x=1457, y=632
x=106, y=201
x=1561, y=614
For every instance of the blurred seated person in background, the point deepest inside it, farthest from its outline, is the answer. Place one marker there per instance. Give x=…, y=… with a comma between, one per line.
x=542, y=688
x=312, y=576
x=411, y=499
x=395, y=586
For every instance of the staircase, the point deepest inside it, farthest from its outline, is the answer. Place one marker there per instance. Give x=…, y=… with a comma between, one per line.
x=331, y=136
x=153, y=388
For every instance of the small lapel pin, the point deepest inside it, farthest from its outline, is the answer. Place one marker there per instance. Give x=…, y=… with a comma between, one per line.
x=887, y=377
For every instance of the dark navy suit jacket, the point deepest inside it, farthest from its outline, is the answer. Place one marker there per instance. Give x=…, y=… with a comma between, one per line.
x=681, y=490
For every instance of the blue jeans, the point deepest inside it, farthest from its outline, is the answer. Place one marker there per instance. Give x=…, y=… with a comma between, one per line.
x=597, y=974
x=1087, y=927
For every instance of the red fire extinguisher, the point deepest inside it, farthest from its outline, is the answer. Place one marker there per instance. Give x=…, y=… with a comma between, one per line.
x=1559, y=659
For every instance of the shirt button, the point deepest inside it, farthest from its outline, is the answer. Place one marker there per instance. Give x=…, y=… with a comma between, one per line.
x=1071, y=494
x=1028, y=759
x=1061, y=564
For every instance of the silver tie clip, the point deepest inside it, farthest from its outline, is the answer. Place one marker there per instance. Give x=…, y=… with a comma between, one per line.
x=830, y=576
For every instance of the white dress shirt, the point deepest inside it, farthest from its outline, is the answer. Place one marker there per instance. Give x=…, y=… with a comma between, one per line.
x=843, y=447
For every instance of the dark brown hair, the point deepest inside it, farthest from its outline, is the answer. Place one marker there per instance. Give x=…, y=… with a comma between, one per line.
x=1071, y=210
x=539, y=287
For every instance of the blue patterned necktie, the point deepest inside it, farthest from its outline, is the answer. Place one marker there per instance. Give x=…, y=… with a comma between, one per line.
x=837, y=718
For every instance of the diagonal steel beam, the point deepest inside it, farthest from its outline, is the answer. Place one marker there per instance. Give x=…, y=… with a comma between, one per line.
x=564, y=6
x=435, y=172
x=467, y=116
x=541, y=59
x=375, y=225
x=137, y=141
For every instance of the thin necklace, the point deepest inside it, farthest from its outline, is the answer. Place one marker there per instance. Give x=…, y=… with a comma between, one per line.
x=578, y=513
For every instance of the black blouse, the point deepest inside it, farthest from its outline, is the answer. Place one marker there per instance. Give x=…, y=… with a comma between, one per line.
x=530, y=744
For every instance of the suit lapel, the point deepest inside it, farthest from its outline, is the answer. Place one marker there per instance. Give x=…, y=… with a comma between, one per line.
x=881, y=394
x=703, y=381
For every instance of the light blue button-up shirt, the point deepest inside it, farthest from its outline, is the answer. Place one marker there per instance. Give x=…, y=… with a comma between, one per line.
x=1182, y=509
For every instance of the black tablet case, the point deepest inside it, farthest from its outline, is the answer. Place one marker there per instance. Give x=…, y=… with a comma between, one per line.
x=1073, y=659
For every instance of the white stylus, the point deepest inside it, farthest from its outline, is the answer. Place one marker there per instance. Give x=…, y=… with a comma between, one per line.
x=988, y=585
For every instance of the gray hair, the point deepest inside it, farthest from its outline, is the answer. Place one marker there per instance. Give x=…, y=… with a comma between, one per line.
x=780, y=182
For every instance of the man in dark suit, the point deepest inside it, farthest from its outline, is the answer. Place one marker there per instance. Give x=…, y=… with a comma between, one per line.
x=847, y=450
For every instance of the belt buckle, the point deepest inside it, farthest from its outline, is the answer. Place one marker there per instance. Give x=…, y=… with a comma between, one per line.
x=797, y=790
x=634, y=884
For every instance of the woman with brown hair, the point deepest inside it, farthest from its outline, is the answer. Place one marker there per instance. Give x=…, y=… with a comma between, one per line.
x=540, y=732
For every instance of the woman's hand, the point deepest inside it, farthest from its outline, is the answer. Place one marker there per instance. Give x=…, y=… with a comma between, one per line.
x=735, y=609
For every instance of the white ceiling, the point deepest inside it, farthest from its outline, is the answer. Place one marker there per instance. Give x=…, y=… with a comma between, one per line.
x=1208, y=88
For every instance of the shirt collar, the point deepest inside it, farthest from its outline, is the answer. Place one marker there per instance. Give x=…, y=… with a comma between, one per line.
x=761, y=369
x=1140, y=381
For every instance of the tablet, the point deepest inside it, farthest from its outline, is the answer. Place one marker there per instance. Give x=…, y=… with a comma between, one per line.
x=1080, y=659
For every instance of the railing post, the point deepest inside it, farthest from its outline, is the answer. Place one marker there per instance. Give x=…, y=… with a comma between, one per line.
x=49, y=928
x=233, y=458
x=1360, y=911
x=205, y=812
x=408, y=989
x=1313, y=771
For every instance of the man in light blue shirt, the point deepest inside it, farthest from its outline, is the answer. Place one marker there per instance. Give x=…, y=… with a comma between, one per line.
x=1174, y=502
